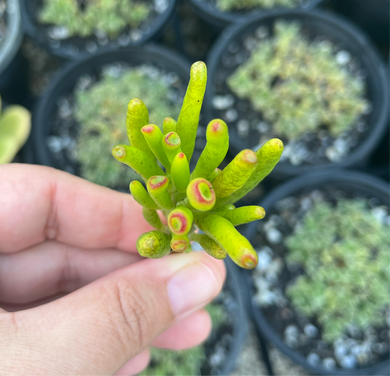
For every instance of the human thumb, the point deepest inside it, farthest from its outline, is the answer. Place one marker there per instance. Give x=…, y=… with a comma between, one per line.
x=99, y=328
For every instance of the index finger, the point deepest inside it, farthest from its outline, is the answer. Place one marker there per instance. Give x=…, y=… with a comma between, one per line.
x=39, y=203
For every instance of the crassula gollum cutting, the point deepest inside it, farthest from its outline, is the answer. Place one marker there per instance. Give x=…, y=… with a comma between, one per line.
x=199, y=200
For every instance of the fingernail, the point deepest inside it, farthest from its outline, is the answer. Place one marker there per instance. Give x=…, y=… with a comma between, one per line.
x=191, y=287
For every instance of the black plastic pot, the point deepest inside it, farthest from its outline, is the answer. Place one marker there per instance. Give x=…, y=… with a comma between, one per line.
x=372, y=16
x=219, y=20
x=12, y=67
x=65, y=81
x=364, y=184
x=339, y=32
x=76, y=47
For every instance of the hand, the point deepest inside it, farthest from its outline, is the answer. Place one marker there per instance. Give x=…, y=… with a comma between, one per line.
x=77, y=297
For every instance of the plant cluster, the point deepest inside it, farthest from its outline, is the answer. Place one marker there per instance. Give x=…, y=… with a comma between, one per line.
x=229, y=5
x=99, y=111
x=202, y=199
x=299, y=85
x=15, y=126
x=184, y=362
x=84, y=18
x=344, y=251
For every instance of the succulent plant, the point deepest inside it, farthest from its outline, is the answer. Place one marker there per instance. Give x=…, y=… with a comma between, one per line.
x=344, y=251
x=299, y=85
x=15, y=126
x=228, y=5
x=83, y=18
x=100, y=113
x=202, y=199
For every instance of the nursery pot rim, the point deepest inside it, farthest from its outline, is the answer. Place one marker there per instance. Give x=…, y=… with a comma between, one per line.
x=291, y=187
x=373, y=63
x=43, y=106
x=63, y=52
x=222, y=19
x=14, y=36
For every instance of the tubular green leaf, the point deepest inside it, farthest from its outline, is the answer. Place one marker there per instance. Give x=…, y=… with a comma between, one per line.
x=217, y=146
x=210, y=246
x=180, y=172
x=157, y=188
x=243, y=215
x=268, y=155
x=180, y=220
x=137, y=117
x=224, y=233
x=171, y=144
x=200, y=194
x=187, y=124
x=213, y=175
x=151, y=216
x=153, y=137
x=154, y=244
x=235, y=174
x=179, y=243
x=169, y=125
x=140, y=195
x=137, y=160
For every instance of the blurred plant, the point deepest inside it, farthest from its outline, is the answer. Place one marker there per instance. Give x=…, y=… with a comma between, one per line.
x=204, y=198
x=15, y=127
x=84, y=17
x=299, y=85
x=228, y=5
x=185, y=362
x=344, y=251
x=99, y=111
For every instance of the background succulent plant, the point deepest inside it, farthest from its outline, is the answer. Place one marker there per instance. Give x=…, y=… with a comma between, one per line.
x=227, y=5
x=299, y=85
x=15, y=126
x=344, y=251
x=99, y=111
x=84, y=18
x=203, y=199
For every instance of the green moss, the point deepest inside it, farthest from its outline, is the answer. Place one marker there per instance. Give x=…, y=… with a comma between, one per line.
x=101, y=113
x=185, y=362
x=107, y=16
x=298, y=85
x=345, y=252
x=228, y=5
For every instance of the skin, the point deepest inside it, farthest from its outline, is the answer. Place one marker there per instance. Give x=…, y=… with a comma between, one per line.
x=75, y=296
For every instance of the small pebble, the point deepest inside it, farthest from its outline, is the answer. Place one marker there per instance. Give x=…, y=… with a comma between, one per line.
x=231, y=115
x=343, y=57
x=380, y=214
x=264, y=261
x=274, y=236
x=329, y=363
x=313, y=359
x=310, y=330
x=340, y=351
x=262, y=32
x=243, y=128
x=59, y=32
x=348, y=362
x=221, y=102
